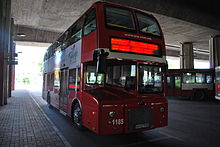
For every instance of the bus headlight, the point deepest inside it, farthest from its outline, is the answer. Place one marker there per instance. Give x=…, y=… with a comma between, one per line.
x=162, y=109
x=111, y=114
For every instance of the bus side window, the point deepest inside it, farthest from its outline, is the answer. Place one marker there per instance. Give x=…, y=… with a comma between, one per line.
x=188, y=78
x=51, y=80
x=44, y=81
x=50, y=52
x=74, y=79
x=208, y=79
x=46, y=56
x=177, y=82
x=90, y=74
x=200, y=78
x=56, y=78
x=169, y=84
x=90, y=22
x=75, y=31
x=66, y=41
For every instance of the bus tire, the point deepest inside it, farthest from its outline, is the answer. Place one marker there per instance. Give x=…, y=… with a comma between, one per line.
x=77, y=115
x=199, y=95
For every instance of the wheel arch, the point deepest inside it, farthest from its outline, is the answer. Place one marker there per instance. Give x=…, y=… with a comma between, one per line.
x=74, y=101
x=201, y=90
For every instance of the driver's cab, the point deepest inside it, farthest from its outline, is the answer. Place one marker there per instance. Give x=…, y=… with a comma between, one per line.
x=92, y=78
x=119, y=74
x=122, y=75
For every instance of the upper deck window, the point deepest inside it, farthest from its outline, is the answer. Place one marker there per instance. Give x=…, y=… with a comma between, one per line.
x=119, y=18
x=148, y=24
x=90, y=22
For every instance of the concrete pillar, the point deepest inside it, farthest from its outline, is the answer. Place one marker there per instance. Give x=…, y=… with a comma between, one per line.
x=11, y=58
x=214, y=51
x=13, y=67
x=1, y=54
x=186, y=56
x=5, y=25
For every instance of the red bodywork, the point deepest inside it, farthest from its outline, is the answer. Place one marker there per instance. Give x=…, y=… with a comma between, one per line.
x=109, y=99
x=188, y=90
x=217, y=83
x=97, y=102
x=217, y=91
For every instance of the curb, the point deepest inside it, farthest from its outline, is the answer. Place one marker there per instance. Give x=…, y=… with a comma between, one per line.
x=66, y=143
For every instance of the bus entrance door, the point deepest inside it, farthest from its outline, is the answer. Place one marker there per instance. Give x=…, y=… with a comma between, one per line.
x=177, y=86
x=64, y=90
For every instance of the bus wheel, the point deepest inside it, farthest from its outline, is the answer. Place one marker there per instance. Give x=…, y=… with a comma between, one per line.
x=199, y=95
x=77, y=115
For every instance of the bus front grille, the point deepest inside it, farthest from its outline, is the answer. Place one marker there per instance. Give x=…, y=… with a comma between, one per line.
x=139, y=118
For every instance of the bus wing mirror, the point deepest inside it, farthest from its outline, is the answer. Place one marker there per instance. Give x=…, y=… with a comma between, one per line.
x=129, y=83
x=165, y=69
x=99, y=56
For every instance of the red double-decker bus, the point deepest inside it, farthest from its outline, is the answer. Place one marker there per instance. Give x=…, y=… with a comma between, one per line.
x=217, y=83
x=196, y=84
x=106, y=71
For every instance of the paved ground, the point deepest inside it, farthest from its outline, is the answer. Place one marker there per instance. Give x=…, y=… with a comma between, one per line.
x=191, y=123
x=23, y=123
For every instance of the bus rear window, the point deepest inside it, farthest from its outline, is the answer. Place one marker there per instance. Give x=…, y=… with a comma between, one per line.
x=148, y=24
x=119, y=18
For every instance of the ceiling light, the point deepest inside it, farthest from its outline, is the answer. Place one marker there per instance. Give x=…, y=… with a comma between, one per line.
x=20, y=35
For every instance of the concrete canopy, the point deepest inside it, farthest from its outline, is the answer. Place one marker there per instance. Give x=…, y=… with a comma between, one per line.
x=195, y=21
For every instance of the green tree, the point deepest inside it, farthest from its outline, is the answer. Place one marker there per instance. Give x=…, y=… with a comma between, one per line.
x=40, y=64
x=26, y=80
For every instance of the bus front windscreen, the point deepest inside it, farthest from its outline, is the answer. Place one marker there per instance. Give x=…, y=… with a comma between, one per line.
x=121, y=75
x=148, y=25
x=150, y=79
x=119, y=18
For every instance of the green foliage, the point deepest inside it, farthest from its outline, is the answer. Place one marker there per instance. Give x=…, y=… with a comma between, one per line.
x=40, y=64
x=26, y=80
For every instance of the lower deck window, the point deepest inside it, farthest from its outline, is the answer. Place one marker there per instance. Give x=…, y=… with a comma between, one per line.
x=150, y=79
x=92, y=77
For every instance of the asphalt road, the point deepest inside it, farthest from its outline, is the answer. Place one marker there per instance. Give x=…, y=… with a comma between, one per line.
x=191, y=123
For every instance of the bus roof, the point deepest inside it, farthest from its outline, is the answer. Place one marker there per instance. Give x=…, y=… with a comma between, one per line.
x=178, y=71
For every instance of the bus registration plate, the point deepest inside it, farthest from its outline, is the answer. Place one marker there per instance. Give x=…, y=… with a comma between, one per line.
x=141, y=126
